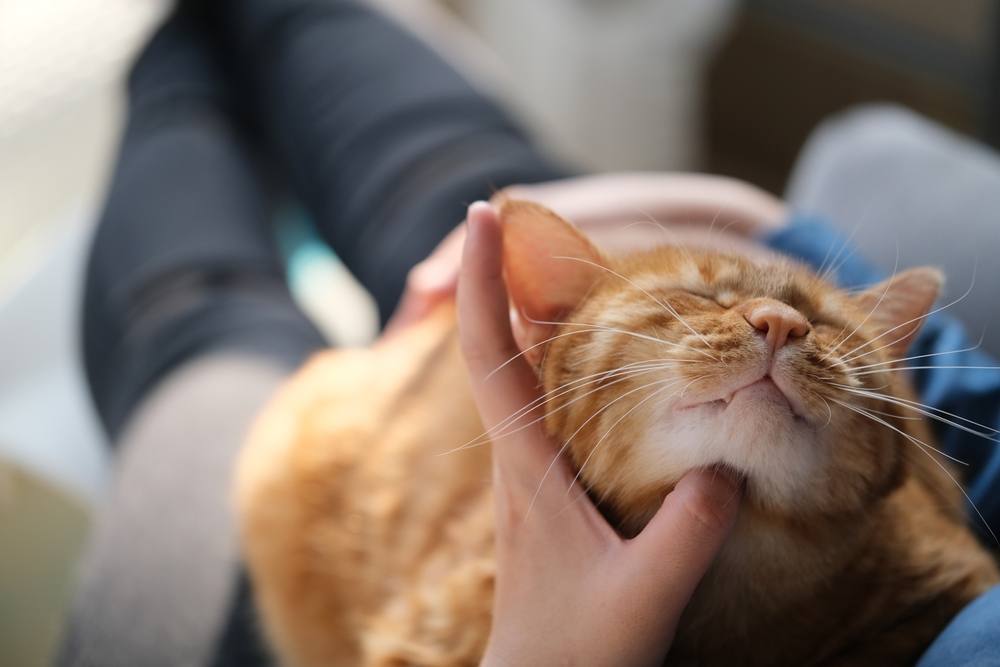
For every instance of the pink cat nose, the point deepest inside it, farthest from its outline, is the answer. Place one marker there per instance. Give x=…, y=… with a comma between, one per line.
x=776, y=319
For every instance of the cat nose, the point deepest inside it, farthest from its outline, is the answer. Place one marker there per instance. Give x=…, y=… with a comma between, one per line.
x=777, y=320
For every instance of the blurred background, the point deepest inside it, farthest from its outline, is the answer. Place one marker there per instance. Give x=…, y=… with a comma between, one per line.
x=723, y=86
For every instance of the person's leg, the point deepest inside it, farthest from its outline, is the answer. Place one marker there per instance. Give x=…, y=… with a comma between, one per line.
x=161, y=581
x=188, y=328
x=386, y=143
x=183, y=260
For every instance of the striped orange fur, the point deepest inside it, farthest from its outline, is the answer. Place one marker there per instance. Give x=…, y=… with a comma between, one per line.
x=369, y=547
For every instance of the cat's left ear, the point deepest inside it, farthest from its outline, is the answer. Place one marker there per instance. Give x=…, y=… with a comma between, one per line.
x=549, y=265
x=897, y=306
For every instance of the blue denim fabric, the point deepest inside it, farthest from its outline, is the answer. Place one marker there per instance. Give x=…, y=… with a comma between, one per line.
x=973, y=637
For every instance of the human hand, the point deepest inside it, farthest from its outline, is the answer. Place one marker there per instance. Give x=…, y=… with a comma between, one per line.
x=569, y=589
x=430, y=282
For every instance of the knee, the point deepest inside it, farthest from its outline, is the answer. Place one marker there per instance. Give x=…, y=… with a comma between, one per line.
x=866, y=147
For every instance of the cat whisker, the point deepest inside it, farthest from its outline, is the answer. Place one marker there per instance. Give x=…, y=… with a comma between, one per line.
x=834, y=266
x=928, y=411
x=918, y=368
x=594, y=449
x=923, y=447
x=499, y=430
x=635, y=334
x=584, y=489
x=892, y=416
x=850, y=356
x=653, y=223
x=669, y=232
x=628, y=370
x=670, y=309
x=715, y=219
x=919, y=356
x=548, y=340
x=558, y=456
x=864, y=412
x=631, y=374
x=841, y=341
x=829, y=410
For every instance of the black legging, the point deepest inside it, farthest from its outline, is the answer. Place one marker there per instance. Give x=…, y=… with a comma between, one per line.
x=228, y=106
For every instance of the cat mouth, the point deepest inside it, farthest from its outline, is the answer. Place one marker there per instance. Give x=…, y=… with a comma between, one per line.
x=764, y=390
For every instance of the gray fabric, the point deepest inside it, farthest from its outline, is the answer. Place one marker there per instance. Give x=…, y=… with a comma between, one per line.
x=888, y=176
x=158, y=577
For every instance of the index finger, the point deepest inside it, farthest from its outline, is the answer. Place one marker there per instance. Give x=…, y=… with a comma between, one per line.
x=488, y=344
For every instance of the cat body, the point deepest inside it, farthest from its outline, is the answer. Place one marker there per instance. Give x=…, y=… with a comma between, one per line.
x=370, y=541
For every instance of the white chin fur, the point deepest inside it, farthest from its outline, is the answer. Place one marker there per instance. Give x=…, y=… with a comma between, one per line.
x=781, y=456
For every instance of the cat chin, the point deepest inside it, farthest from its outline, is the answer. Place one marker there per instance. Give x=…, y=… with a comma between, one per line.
x=781, y=455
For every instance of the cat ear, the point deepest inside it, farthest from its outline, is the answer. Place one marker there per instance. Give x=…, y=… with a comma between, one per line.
x=897, y=306
x=549, y=265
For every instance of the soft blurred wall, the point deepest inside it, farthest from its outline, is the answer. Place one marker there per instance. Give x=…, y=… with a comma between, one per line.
x=60, y=63
x=787, y=64
x=609, y=84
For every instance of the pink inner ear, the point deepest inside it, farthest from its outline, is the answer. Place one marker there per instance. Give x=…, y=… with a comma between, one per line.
x=897, y=305
x=549, y=264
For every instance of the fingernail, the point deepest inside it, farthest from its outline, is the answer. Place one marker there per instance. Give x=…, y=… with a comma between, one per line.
x=477, y=206
x=477, y=213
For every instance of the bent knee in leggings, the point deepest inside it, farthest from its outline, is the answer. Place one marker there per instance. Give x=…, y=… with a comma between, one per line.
x=183, y=314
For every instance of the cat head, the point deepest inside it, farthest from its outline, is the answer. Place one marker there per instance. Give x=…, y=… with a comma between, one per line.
x=661, y=361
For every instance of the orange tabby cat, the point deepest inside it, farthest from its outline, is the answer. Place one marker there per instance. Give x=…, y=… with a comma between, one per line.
x=368, y=547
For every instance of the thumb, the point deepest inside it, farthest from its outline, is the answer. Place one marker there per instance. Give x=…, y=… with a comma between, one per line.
x=677, y=546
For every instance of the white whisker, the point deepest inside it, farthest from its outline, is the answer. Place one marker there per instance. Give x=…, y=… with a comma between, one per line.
x=566, y=444
x=850, y=355
x=945, y=470
x=624, y=332
x=919, y=368
x=928, y=411
x=863, y=412
x=670, y=309
x=604, y=437
x=919, y=356
x=841, y=341
x=499, y=429
x=825, y=273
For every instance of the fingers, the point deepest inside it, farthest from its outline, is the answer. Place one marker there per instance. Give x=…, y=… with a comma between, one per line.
x=522, y=454
x=484, y=323
x=430, y=282
x=439, y=272
x=678, y=545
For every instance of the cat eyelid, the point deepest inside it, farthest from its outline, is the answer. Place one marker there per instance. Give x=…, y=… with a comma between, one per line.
x=708, y=296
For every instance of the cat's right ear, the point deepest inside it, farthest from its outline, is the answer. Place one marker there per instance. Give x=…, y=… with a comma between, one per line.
x=549, y=265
